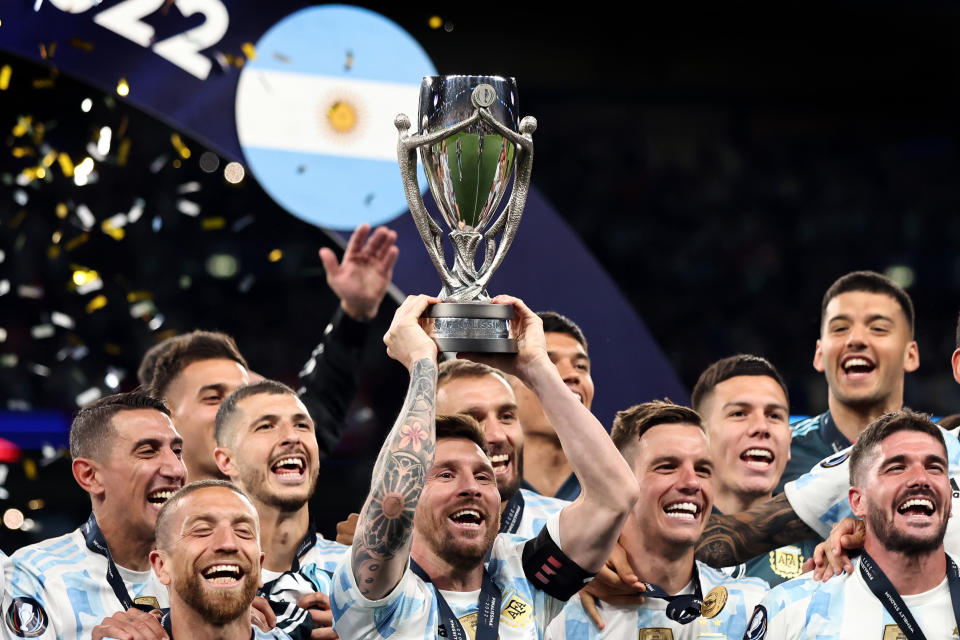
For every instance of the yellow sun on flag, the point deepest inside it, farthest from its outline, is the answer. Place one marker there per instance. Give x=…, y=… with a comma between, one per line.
x=342, y=116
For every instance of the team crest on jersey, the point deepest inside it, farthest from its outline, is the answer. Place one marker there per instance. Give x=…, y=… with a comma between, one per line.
x=835, y=460
x=892, y=632
x=757, y=628
x=26, y=618
x=517, y=613
x=787, y=562
x=656, y=633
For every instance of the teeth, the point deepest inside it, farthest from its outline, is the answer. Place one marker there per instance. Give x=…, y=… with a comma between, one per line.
x=855, y=362
x=758, y=453
x=161, y=496
x=916, y=502
x=499, y=459
x=221, y=569
x=289, y=461
x=682, y=510
x=466, y=512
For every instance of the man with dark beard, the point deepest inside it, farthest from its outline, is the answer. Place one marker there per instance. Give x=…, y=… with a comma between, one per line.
x=904, y=583
x=266, y=445
x=417, y=566
x=208, y=555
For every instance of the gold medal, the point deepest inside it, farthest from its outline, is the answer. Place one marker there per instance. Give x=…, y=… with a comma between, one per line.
x=150, y=601
x=892, y=632
x=714, y=602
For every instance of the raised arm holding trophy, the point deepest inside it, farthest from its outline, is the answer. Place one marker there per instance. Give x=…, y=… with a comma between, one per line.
x=468, y=141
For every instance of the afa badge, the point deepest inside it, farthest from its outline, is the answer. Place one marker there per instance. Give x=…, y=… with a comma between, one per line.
x=26, y=618
x=892, y=632
x=656, y=633
x=517, y=612
x=787, y=562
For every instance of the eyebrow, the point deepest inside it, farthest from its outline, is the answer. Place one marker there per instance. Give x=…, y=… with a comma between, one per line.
x=903, y=458
x=206, y=517
x=272, y=417
x=219, y=387
x=576, y=357
x=508, y=406
x=156, y=442
x=769, y=405
x=871, y=318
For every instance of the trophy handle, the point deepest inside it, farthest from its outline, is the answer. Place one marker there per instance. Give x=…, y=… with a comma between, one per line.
x=430, y=232
x=509, y=218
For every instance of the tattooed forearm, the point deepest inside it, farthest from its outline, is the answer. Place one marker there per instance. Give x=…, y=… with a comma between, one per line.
x=732, y=539
x=386, y=521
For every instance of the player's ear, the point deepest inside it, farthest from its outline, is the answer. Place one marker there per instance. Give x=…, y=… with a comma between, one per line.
x=955, y=361
x=224, y=459
x=818, y=358
x=87, y=474
x=857, y=503
x=911, y=359
x=158, y=563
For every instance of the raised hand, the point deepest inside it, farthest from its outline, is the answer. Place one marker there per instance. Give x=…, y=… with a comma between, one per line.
x=360, y=280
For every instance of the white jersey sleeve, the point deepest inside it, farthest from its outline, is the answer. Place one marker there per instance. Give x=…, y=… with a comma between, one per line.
x=58, y=588
x=819, y=497
x=537, y=509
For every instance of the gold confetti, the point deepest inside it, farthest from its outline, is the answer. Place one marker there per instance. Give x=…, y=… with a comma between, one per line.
x=435, y=22
x=30, y=468
x=275, y=255
x=113, y=231
x=49, y=159
x=83, y=45
x=42, y=83
x=22, y=126
x=32, y=173
x=249, y=50
x=209, y=224
x=123, y=89
x=40, y=172
x=349, y=63
x=77, y=241
x=53, y=252
x=66, y=164
x=139, y=296
x=55, y=238
x=5, y=72
x=82, y=275
x=61, y=210
x=181, y=148
x=19, y=152
x=176, y=163
x=123, y=152
x=99, y=302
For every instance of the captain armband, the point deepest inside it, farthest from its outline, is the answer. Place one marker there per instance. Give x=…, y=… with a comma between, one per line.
x=549, y=568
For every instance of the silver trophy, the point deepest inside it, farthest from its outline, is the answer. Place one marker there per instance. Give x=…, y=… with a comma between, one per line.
x=469, y=143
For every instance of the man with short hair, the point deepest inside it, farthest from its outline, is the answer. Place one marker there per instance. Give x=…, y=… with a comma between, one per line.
x=126, y=456
x=434, y=502
x=484, y=393
x=546, y=468
x=865, y=349
x=904, y=580
x=666, y=447
x=208, y=555
x=266, y=445
x=744, y=403
x=196, y=371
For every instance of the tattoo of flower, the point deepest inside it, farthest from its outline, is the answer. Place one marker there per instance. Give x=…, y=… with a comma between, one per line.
x=412, y=436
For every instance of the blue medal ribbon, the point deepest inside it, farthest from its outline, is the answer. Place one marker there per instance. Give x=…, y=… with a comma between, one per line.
x=488, y=609
x=98, y=544
x=888, y=596
x=683, y=608
x=512, y=514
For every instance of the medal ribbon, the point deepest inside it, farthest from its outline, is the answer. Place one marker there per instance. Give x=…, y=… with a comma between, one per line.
x=512, y=514
x=683, y=608
x=885, y=592
x=307, y=543
x=488, y=609
x=98, y=544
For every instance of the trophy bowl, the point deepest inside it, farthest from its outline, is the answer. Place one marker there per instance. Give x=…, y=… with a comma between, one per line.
x=469, y=143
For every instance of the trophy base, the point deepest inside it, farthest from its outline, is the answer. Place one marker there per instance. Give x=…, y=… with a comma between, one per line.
x=478, y=327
